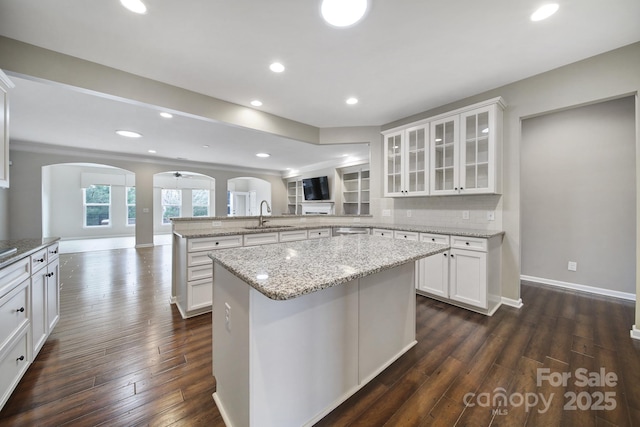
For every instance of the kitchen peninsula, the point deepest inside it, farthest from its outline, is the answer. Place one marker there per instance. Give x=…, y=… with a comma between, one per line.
x=298, y=327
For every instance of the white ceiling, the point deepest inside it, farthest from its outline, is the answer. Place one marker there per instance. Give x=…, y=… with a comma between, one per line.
x=407, y=56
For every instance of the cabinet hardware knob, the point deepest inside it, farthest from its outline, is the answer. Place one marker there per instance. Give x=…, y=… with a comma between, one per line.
x=21, y=310
x=433, y=240
x=451, y=255
x=40, y=260
x=467, y=243
x=445, y=254
x=217, y=243
x=20, y=359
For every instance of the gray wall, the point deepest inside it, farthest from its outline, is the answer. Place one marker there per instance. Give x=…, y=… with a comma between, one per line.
x=4, y=214
x=578, y=195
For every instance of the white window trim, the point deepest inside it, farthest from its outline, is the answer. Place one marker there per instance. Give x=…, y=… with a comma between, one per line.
x=126, y=204
x=208, y=205
x=84, y=209
x=162, y=205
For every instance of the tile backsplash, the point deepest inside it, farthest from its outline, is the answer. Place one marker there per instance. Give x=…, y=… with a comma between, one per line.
x=447, y=211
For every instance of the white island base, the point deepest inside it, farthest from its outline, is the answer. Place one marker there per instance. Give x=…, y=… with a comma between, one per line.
x=290, y=363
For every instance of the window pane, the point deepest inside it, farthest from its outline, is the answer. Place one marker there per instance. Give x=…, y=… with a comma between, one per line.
x=200, y=197
x=97, y=194
x=169, y=212
x=171, y=197
x=200, y=211
x=97, y=215
x=131, y=215
x=131, y=195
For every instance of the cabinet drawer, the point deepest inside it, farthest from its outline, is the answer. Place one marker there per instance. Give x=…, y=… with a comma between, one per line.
x=38, y=260
x=406, y=235
x=14, y=361
x=13, y=275
x=319, y=233
x=472, y=243
x=198, y=258
x=260, y=239
x=290, y=236
x=434, y=238
x=382, y=233
x=14, y=311
x=53, y=252
x=200, y=272
x=211, y=243
x=199, y=294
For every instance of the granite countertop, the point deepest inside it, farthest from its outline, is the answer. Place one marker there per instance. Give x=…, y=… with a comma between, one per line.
x=283, y=271
x=227, y=231
x=25, y=247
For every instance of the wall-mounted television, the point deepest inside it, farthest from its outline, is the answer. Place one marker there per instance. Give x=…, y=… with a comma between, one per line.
x=316, y=188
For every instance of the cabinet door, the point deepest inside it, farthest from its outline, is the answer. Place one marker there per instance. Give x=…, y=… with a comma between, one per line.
x=477, y=154
x=444, y=156
x=468, y=280
x=416, y=155
x=393, y=146
x=53, y=294
x=433, y=276
x=39, y=323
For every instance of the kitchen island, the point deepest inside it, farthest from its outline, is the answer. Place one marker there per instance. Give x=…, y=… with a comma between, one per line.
x=299, y=327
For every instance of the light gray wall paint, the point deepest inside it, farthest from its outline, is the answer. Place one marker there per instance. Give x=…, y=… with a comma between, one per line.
x=4, y=214
x=601, y=77
x=579, y=197
x=25, y=201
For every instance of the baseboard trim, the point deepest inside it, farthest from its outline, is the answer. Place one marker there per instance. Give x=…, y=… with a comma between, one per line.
x=144, y=245
x=517, y=303
x=635, y=333
x=578, y=287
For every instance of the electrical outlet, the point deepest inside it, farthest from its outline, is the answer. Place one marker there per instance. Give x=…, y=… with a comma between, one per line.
x=356, y=219
x=465, y=214
x=216, y=224
x=491, y=215
x=408, y=213
x=227, y=316
x=386, y=212
x=573, y=266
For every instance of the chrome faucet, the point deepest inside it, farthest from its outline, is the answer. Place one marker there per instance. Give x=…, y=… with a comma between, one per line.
x=261, y=220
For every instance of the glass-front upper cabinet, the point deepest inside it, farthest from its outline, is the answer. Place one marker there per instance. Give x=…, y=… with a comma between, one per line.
x=406, y=162
x=393, y=145
x=477, y=174
x=444, y=156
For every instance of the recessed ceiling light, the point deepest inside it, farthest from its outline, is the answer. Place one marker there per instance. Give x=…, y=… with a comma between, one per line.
x=166, y=115
x=135, y=6
x=129, y=133
x=276, y=67
x=343, y=13
x=263, y=155
x=205, y=146
x=544, y=11
x=152, y=151
x=352, y=101
x=256, y=103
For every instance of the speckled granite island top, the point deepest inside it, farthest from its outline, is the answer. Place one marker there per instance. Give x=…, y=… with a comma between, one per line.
x=25, y=247
x=283, y=271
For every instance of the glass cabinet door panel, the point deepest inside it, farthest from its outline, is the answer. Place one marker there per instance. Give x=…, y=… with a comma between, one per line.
x=439, y=134
x=470, y=153
x=448, y=179
x=470, y=176
x=483, y=176
x=448, y=155
x=483, y=150
x=439, y=157
x=483, y=124
x=471, y=127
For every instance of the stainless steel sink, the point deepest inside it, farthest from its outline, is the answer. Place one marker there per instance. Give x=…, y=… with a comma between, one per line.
x=7, y=251
x=267, y=227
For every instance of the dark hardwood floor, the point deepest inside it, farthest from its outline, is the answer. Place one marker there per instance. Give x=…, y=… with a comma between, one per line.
x=122, y=356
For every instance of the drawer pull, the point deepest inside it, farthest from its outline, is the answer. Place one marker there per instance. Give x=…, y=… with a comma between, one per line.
x=20, y=310
x=433, y=239
x=39, y=260
x=53, y=252
x=445, y=254
x=451, y=255
x=20, y=359
x=467, y=243
x=49, y=274
x=217, y=243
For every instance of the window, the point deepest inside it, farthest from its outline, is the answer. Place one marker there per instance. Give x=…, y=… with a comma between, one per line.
x=131, y=205
x=171, y=204
x=97, y=205
x=200, y=202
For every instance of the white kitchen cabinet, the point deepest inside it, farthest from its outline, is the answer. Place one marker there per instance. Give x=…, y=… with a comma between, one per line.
x=380, y=232
x=29, y=310
x=294, y=197
x=260, y=239
x=319, y=233
x=465, y=149
x=406, y=162
x=292, y=236
x=433, y=271
x=5, y=85
x=468, y=275
x=193, y=271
